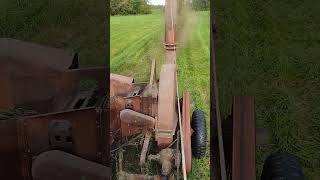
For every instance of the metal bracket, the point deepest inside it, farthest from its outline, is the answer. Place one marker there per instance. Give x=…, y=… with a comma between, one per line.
x=60, y=135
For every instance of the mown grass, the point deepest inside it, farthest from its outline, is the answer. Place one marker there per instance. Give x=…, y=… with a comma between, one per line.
x=270, y=49
x=76, y=25
x=136, y=40
x=193, y=59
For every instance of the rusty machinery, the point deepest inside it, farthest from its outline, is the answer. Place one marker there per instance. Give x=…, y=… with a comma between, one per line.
x=53, y=123
x=153, y=110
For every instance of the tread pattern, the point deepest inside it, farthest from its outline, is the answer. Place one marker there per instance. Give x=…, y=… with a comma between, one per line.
x=282, y=166
x=199, y=136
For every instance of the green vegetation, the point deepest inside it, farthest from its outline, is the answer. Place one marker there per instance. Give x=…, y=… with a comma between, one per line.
x=157, y=7
x=200, y=5
x=136, y=40
x=77, y=25
x=126, y=7
x=194, y=75
x=270, y=49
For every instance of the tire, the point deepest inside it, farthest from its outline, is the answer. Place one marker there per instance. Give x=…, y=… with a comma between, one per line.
x=282, y=166
x=199, y=135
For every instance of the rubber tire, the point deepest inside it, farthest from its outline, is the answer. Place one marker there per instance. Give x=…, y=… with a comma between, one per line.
x=199, y=135
x=282, y=166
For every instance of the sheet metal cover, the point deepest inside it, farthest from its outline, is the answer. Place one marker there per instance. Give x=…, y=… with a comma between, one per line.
x=31, y=53
x=167, y=116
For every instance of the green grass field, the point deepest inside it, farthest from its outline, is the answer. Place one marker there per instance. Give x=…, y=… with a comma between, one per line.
x=271, y=49
x=76, y=25
x=136, y=40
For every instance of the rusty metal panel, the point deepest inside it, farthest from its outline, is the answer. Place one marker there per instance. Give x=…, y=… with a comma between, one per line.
x=84, y=132
x=35, y=88
x=116, y=105
x=67, y=82
x=53, y=165
x=136, y=103
x=135, y=122
x=39, y=55
x=21, y=81
x=6, y=93
x=187, y=130
x=244, y=141
x=135, y=118
x=167, y=116
x=120, y=78
x=9, y=151
x=36, y=77
x=32, y=75
x=170, y=57
x=120, y=85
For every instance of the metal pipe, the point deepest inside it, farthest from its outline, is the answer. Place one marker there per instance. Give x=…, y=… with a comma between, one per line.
x=170, y=30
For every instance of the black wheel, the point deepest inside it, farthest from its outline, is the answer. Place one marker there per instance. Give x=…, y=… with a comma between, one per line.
x=282, y=166
x=199, y=135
